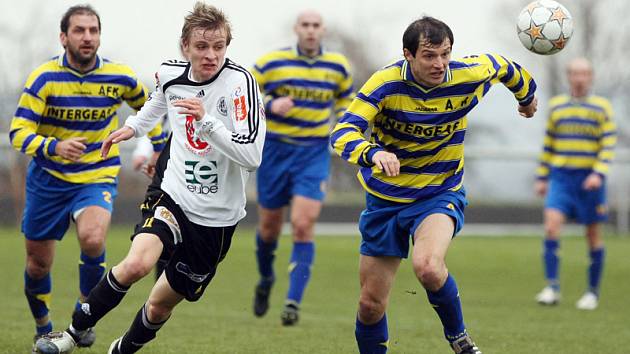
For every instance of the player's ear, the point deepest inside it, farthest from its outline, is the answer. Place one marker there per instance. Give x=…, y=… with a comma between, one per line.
x=63, y=39
x=408, y=54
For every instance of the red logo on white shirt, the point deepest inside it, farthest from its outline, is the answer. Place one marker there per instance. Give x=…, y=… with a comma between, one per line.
x=240, y=108
x=190, y=131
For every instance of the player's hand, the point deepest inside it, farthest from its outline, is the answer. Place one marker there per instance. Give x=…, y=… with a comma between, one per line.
x=282, y=105
x=149, y=168
x=540, y=187
x=122, y=134
x=529, y=110
x=71, y=149
x=387, y=162
x=592, y=182
x=191, y=107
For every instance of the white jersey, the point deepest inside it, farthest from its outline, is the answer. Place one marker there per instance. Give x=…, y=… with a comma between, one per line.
x=205, y=165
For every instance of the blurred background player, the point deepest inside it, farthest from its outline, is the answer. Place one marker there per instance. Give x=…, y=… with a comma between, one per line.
x=303, y=86
x=578, y=149
x=67, y=108
x=218, y=132
x=412, y=169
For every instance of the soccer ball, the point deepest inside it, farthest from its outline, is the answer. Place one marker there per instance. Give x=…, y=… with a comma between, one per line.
x=544, y=27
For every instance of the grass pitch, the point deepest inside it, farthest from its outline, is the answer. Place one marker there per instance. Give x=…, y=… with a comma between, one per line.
x=497, y=278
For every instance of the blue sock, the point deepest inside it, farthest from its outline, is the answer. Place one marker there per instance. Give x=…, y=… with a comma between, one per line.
x=374, y=338
x=91, y=271
x=448, y=307
x=47, y=328
x=265, y=256
x=551, y=262
x=595, y=269
x=300, y=269
x=37, y=293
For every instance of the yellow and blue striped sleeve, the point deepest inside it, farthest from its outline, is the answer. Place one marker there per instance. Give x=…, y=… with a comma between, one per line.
x=31, y=106
x=261, y=79
x=516, y=78
x=136, y=94
x=345, y=93
x=607, y=142
x=158, y=137
x=347, y=138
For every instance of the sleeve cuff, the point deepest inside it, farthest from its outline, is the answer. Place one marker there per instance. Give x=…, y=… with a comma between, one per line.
x=526, y=101
x=51, y=148
x=370, y=153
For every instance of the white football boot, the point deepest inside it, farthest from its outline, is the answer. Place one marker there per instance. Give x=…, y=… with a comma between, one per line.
x=588, y=301
x=55, y=343
x=548, y=296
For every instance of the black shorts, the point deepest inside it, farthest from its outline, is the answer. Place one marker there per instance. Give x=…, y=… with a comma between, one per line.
x=192, y=251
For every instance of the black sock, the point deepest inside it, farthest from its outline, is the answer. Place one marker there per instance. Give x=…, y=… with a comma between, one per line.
x=106, y=295
x=140, y=333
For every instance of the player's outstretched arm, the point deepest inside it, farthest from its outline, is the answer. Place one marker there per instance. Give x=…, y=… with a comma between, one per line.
x=122, y=134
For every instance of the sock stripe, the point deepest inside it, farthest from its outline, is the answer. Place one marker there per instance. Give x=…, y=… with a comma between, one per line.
x=114, y=284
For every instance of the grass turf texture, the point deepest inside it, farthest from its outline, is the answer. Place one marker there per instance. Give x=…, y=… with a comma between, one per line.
x=497, y=278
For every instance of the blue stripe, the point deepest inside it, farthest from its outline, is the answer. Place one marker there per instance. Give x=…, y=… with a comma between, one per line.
x=272, y=85
x=573, y=137
x=31, y=93
x=76, y=167
x=346, y=93
x=136, y=97
x=610, y=134
x=111, y=79
x=434, y=168
x=576, y=120
x=301, y=139
x=429, y=118
x=351, y=118
x=27, y=142
x=408, y=192
x=458, y=138
x=40, y=149
x=26, y=113
x=339, y=133
x=371, y=100
x=275, y=64
x=159, y=137
x=79, y=125
x=580, y=104
x=296, y=121
x=495, y=64
x=510, y=72
x=312, y=104
x=576, y=153
x=82, y=101
x=521, y=82
x=350, y=147
x=486, y=88
x=548, y=149
x=92, y=147
x=456, y=65
x=12, y=134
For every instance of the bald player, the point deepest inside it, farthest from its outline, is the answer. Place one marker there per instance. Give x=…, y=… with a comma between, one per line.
x=574, y=165
x=304, y=86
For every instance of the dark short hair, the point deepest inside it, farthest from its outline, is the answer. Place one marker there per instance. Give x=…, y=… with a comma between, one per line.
x=427, y=29
x=78, y=10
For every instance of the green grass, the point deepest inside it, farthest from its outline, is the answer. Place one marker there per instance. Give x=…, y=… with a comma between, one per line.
x=497, y=279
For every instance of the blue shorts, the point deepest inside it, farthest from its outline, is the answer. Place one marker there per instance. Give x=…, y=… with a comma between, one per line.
x=386, y=227
x=288, y=169
x=566, y=194
x=51, y=202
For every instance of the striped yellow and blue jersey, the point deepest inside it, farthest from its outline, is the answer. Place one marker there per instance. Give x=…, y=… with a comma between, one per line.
x=423, y=126
x=319, y=87
x=59, y=103
x=580, y=135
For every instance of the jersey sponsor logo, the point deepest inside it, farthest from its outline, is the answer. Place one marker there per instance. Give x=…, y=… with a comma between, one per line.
x=222, y=106
x=240, y=107
x=306, y=94
x=201, y=177
x=421, y=130
x=185, y=269
x=200, y=94
x=109, y=91
x=172, y=98
x=194, y=144
x=79, y=114
x=165, y=215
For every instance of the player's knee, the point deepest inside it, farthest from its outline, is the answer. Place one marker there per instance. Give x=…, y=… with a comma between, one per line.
x=371, y=309
x=92, y=241
x=158, y=312
x=134, y=269
x=302, y=228
x=430, y=271
x=270, y=230
x=37, y=268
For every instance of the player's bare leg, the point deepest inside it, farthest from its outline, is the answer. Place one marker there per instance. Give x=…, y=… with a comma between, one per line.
x=376, y=276
x=431, y=242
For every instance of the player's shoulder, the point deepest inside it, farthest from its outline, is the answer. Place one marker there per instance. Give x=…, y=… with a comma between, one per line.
x=235, y=73
x=277, y=54
x=599, y=101
x=50, y=65
x=335, y=57
x=559, y=100
x=171, y=69
x=115, y=67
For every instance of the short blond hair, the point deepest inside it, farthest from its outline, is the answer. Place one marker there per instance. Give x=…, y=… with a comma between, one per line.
x=207, y=17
